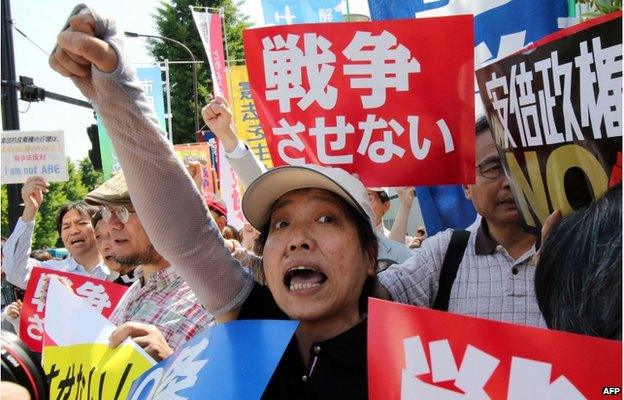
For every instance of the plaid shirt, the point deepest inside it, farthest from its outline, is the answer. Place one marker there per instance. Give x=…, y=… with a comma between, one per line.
x=163, y=299
x=489, y=282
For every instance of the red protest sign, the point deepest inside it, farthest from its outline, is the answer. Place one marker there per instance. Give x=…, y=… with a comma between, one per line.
x=418, y=353
x=392, y=101
x=100, y=294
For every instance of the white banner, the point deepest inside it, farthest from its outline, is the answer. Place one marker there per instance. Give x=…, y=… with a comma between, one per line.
x=33, y=153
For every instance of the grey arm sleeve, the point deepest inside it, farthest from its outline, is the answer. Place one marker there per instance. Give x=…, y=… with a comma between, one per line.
x=169, y=206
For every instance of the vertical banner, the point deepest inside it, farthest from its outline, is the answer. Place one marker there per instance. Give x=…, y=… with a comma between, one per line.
x=209, y=28
x=77, y=360
x=151, y=80
x=234, y=360
x=199, y=152
x=248, y=126
x=556, y=115
x=429, y=354
x=288, y=12
x=392, y=101
x=102, y=295
x=33, y=153
x=229, y=190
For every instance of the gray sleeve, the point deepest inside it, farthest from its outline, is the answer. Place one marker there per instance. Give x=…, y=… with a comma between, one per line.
x=416, y=280
x=16, y=263
x=170, y=208
x=247, y=168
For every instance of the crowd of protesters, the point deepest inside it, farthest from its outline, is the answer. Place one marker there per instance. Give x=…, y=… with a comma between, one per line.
x=314, y=247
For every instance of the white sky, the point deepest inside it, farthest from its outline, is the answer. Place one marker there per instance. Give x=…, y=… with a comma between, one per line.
x=41, y=20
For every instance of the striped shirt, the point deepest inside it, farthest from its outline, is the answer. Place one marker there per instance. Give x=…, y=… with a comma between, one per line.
x=489, y=282
x=163, y=299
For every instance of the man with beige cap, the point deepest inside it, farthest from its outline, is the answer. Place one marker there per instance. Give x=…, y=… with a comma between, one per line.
x=159, y=297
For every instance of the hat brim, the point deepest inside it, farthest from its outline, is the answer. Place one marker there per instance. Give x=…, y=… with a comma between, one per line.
x=262, y=194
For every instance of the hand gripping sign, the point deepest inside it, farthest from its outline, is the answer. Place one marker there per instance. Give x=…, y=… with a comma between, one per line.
x=77, y=360
x=556, y=114
x=391, y=100
x=430, y=354
x=102, y=295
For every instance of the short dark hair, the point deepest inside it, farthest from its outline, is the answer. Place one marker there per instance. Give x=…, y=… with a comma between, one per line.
x=481, y=125
x=366, y=236
x=578, y=281
x=80, y=206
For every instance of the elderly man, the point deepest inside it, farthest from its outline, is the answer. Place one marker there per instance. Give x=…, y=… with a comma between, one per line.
x=159, y=297
x=486, y=273
x=74, y=226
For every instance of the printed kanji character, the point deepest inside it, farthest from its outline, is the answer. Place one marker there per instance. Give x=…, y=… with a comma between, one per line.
x=531, y=131
x=384, y=64
x=380, y=151
x=546, y=101
x=284, y=63
x=608, y=75
x=530, y=379
x=94, y=295
x=500, y=103
x=260, y=151
x=571, y=126
x=288, y=16
x=320, y=131
x=295, y=141
x=245, y=91
x=249, y=111
x=325, y=15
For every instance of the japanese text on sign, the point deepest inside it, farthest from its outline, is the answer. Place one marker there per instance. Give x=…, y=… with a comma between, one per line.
x=363, y=96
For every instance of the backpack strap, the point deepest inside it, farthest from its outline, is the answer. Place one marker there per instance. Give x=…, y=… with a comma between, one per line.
x=452, y=259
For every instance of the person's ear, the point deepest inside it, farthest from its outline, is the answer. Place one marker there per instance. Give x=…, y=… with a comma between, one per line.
x=468, y=191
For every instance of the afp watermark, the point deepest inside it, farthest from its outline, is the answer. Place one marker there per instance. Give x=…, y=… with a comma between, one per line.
x=611, y=391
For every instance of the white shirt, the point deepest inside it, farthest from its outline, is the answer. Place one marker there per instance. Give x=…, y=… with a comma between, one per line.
x=17, y=264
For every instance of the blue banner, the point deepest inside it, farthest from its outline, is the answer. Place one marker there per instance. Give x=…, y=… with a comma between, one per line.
x=501, y=26
x=234, y=360
x=445, y=207
x=288, y=12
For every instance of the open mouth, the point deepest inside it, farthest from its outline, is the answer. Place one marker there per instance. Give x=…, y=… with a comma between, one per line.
x=77, y=241
x=302, y=278
x=108, y=258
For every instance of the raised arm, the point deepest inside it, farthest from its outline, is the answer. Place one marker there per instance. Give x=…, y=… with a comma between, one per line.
x=169, y=205
x=16, y=263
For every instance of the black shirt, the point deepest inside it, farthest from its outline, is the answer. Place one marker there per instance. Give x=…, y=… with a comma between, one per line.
x=337, y=367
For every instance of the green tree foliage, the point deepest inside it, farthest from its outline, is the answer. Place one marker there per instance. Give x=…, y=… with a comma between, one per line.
x=600, y=7
x=82, y=179
x=174, y=20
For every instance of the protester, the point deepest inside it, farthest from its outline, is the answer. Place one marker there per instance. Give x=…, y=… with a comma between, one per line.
x=491, y=274
x=75, y=229
x=583, y=294
x=160, y=296
x=104, y=243
x=398, y=233
x=248, y=167
x=319, y=245
x=380, y=201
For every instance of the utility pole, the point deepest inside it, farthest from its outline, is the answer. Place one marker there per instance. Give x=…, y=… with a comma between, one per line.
x=10, y=116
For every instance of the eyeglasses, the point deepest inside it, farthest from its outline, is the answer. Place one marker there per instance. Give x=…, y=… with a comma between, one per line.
x=122, y=213
x=491, y=168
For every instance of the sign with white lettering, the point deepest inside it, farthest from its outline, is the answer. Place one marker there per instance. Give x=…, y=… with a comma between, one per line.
x=556, y=115
x=33, y=153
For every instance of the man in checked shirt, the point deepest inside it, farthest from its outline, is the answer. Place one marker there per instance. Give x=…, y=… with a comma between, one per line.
x=492, y=275
x=159, y=311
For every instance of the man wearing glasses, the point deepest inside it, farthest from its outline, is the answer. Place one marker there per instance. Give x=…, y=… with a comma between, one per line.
x=493, y=277
x=160, y=300
x=74, y=226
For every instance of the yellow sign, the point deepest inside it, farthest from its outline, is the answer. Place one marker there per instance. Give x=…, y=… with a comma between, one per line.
x=92, y=371
x=246, y=119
